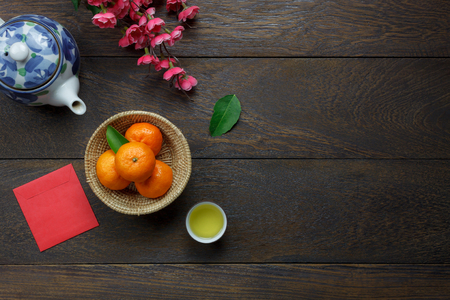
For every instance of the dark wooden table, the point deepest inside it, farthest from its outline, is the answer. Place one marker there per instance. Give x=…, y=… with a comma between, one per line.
x=335, y=180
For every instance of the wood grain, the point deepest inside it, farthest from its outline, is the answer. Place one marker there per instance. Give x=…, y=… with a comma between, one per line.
x=292, y=108
x=266, y=281
x=276, y=28
x=334, y=181
x=322, y=211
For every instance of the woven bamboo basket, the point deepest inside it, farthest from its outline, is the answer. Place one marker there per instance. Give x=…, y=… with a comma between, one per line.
x=174, y=152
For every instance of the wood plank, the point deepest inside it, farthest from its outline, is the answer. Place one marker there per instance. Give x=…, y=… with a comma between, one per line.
x=322, y=211
x=275, y=28
x=292, y=108
x=266, y=281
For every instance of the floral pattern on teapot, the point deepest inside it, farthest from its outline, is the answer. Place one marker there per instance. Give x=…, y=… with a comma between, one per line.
x=52, y=52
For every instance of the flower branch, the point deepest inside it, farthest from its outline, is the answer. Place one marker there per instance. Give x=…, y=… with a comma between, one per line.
x=147, y=32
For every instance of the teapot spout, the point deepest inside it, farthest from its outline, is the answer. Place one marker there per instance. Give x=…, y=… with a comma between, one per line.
x=67, y=94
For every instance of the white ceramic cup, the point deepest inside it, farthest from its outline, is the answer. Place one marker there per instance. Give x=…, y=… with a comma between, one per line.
x=203, y=239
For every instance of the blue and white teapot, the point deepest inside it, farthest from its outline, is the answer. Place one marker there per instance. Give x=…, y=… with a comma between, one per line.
x=39, y=63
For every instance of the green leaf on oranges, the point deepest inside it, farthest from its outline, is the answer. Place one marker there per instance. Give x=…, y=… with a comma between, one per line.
x=115, y=139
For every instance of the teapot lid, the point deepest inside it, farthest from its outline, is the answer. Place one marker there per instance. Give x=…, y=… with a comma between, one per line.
x=29, y=55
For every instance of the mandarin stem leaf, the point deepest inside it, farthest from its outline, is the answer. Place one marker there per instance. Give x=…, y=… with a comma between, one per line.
x=115, y=139
x=226, y=113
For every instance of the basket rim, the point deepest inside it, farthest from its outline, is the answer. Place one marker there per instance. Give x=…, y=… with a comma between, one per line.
x=187, y=159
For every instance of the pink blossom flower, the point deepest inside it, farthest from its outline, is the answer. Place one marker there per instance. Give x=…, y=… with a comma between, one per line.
x=148, y=59
x=143, y=41
x=142, y=2
x=95, y=2
x=176, y=35
x=119, y=4
x=154, y=25
x=164, y=64
x=135, y=5
x=120, y=8
x=138, y=46
x=124, y=42
x=186, y=82
x=145, y=18
x=174, y=5
x=151, y=11
x=188, y=13
x=133, y=15
x=169, y=74
x=159, y=39
x=134, y=33
x=123, y=13
x=104, y=20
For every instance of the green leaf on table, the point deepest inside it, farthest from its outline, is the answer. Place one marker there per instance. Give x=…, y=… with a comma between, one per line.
x=226, y=113
x=94, y=9
x=76, y=4
x=115, y=139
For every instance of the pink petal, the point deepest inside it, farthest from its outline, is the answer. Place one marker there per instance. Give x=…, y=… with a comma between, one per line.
x=142, y=20
x=172, y=72
x=155, y=25
x=188, y=13
x=124, y=42
x=176, y=34
x=104, y=20
x=95, y=2
x=174, y=4
x=186, y=85
x=164, y=64
x=179, y=28
x=159, y=39
x=134, y=16
x=192, y=80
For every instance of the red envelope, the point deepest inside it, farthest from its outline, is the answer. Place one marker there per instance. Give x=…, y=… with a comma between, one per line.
x=55, y=207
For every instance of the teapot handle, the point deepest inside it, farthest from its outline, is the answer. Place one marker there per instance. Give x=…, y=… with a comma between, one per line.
x=1, y=21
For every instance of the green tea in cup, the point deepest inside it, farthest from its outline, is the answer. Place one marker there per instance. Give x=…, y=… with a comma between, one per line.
x=206, y=222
